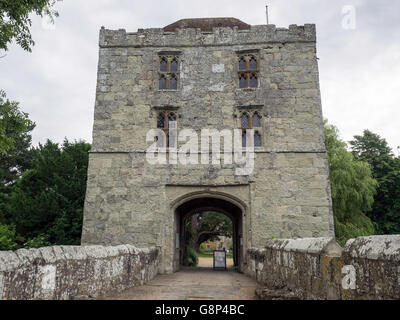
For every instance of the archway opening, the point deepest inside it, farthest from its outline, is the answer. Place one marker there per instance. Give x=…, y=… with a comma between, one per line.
x=193, y=213
x=204, y=233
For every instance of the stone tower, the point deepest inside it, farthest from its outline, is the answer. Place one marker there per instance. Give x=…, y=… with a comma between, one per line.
x=216, y=73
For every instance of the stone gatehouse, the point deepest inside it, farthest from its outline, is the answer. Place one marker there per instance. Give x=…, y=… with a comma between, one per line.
x=217, y=73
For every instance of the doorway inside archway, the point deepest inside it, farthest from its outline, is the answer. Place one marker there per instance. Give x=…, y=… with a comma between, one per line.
x=204, y=222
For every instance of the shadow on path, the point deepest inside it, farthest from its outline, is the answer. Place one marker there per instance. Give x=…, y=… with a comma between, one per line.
x=194, y=284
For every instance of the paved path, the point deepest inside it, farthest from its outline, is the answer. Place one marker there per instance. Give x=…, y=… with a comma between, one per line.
x=194, y=284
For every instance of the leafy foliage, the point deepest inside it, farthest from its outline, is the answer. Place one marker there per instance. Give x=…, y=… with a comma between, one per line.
x=15, y=141
x=15, y=22
x=203, y=227
x=46, y=204
x=353, y=189
x=371, y=148
x=15, y=157
x=41, y=190
x=191, y=259
x=7, y=237
x=207, y=226
x=37, y=242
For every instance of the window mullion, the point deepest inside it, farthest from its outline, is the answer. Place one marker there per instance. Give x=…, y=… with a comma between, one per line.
x=167, y=138
x=166, y=125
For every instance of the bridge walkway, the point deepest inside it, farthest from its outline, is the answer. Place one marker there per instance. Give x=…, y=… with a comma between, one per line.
x=194, y=284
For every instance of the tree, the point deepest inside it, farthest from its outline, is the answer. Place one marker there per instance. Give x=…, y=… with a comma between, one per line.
x=15, y=126
x=373, y=149
x=15, y=141
x=46, y=204
x=15, y=22
x=15, y=154
x=207, y=226
x=353, y=189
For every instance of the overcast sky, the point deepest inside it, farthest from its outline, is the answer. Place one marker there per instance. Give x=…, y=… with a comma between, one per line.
x=359, y=67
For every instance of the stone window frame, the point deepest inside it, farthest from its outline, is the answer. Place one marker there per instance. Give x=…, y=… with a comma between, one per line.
x=248, y=72
x=169, y=57
x=166, y=114
x=250, y=111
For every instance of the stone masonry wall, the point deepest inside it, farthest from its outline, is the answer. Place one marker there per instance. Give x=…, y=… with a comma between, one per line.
x=288, y=97
x=367, y=268
x=68, y=272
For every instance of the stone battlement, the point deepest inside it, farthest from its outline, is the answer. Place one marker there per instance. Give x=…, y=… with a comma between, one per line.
x=158, y=37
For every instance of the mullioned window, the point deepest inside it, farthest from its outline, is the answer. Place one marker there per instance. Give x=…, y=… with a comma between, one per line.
x=168, y=73
x=248, y=71
x=251, y=120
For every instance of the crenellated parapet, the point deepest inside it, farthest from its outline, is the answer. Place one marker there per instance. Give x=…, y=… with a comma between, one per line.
x=192, y=37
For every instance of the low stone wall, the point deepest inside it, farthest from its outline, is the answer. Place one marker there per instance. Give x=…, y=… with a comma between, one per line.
x=69, y=272
x=367, y=268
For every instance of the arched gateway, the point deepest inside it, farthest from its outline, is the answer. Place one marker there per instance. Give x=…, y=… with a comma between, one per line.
x=205, y=201
x=225, y=76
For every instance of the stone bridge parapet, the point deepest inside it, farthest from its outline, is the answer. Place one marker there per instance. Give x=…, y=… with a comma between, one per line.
x=70, y=272
x=318, y=268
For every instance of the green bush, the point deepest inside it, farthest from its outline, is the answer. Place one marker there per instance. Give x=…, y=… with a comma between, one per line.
x=205, y=250
x=353, y=189
x=190, y=259
x=37, y=242
x=7, y=237
x=359, y=227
